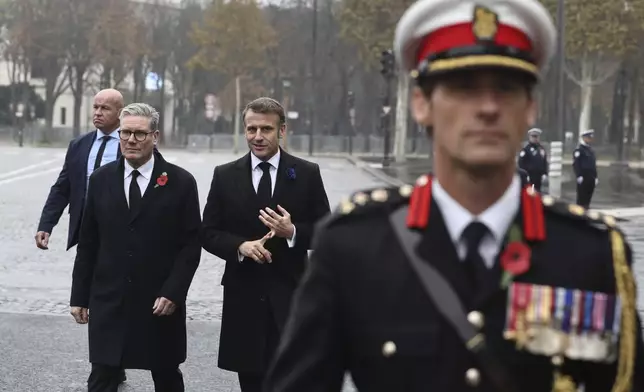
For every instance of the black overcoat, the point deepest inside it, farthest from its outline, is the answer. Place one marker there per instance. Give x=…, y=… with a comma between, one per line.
x=252, y=292
x=124, y=262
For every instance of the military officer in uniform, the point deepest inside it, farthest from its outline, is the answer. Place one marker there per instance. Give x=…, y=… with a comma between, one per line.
x=584, y=165
x=466, y=281
x=534, y=160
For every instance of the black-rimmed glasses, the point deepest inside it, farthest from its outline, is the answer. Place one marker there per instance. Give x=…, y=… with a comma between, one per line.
x=139, y=136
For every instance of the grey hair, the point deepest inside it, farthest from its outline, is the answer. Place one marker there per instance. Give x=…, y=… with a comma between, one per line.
x=141, y=110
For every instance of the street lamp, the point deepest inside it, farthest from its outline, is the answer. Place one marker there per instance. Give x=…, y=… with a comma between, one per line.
x=387, y=61
x=560, y=100
x=286, y=85
x=351, y=101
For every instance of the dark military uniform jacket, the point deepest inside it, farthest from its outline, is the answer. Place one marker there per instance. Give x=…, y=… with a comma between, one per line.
x=584, y=162
x=361, y=307
x=533, y=159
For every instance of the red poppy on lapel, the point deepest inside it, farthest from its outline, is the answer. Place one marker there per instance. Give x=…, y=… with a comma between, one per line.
x=162, y=180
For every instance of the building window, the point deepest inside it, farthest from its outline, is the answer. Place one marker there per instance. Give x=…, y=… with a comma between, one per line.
x=63, y=116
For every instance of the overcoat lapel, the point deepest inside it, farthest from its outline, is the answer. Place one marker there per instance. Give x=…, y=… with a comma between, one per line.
x=283, y=184
x=245, y=187
x=118, y=187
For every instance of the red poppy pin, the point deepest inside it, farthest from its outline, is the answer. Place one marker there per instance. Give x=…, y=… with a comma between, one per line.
x=515, y=259
x=162, y=180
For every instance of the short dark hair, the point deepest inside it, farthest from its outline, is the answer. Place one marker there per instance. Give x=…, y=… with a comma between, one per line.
x=265, y=105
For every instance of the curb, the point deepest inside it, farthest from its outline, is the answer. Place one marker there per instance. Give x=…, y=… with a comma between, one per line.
x=374, y=172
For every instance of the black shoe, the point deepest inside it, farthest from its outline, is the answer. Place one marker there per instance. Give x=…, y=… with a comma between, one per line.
x=122, y=377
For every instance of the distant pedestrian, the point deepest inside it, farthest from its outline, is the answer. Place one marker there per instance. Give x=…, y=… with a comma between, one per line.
x=534, y=159
x=85, y=154
x=137, y=255
x=585, y=166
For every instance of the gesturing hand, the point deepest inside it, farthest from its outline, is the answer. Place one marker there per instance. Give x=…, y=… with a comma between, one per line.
x=163, y=307
x=280, y=224
x=255, y=249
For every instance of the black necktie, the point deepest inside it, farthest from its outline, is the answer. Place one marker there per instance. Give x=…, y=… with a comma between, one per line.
x=474, y=264
x=101, y=150
x=135, y=192
x=264, y=189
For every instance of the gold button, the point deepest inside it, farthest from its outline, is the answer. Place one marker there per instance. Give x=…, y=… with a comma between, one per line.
x=388, y=349
x=406, y=190
x=476, y=319
x=422, y=180
x=472, y=377
x=360, y=198
x=547, y=200
x=379, y=195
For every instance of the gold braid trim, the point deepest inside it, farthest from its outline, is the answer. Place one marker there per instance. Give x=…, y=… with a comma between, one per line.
x=628, y=331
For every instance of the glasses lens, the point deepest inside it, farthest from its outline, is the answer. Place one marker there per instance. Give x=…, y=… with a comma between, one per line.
x=125, y=134
x=140, y=136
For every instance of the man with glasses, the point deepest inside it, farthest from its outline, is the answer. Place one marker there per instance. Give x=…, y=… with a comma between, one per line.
x=137, y=254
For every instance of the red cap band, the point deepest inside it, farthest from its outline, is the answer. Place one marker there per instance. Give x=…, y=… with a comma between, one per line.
x=461, y=35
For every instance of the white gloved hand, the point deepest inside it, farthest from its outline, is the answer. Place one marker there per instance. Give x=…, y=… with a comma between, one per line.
x=544, y=178
x=596, y=181
x=580, y=180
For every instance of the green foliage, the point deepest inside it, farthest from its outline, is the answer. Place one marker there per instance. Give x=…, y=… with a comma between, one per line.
x=595, y=28
x=370, y=25
x=233, y=38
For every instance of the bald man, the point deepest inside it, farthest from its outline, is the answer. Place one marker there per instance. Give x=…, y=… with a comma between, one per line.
x=84, y=155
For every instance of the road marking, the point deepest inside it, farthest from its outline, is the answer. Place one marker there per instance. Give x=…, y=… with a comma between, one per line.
x=27, y=168
x=26, y=176
x=624, y=212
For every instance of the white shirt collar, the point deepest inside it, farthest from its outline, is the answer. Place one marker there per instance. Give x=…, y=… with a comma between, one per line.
x=114, y=135
x=145, y=170
x=274, y=161
x=497, y=217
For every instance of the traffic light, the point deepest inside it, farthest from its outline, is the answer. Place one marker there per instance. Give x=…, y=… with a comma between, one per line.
x=388, y=64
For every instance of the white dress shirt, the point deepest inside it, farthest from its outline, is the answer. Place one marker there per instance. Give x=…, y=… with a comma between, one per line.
x=256, y=175
x=145, y=174
x=498, y=218
x=110, y=154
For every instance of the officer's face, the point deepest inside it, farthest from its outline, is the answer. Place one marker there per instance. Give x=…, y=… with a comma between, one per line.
x=534, y=139
x=478, y=117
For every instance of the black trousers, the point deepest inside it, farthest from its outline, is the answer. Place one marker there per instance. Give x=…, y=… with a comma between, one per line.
x=106, y=379
x=535, y=179
x=252, y=382
x=585, y=191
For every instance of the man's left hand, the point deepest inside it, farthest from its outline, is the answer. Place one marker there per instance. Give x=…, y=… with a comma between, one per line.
x=280, y=224
x=163, y=307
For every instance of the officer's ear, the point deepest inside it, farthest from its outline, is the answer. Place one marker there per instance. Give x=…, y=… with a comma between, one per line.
x=421, y=107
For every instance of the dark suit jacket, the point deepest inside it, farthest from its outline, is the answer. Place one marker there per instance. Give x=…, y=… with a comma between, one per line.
x=124, y=262
x=69, y=189
x=360, y=291
x=252, y=289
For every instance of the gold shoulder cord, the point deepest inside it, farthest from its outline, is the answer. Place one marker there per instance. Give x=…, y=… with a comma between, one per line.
x=628, y=333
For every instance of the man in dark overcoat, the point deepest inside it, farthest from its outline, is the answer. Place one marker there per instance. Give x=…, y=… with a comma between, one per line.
x=266, y=191
x=466, y=280
x=138, y=252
